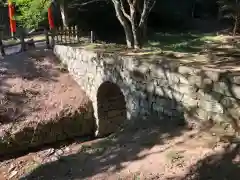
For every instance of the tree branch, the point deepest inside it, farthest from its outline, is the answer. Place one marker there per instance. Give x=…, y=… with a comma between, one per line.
x=123, y=10
x=118, y=11
x=134, y=2
x=129, y=2
x=145, y=12
x=85, y=3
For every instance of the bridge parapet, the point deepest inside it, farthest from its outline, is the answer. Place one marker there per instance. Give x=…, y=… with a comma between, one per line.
x=129, y=89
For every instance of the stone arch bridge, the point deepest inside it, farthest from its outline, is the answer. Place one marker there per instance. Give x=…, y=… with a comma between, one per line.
x=125, y=89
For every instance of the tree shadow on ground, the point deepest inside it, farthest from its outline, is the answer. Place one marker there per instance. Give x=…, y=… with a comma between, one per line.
x=179, y=42
x=200, y=43
x=219, y=52
x=12, y=104
x=28, y=65
x=39, y=103
x=35, y=65
x=224, y=165
x=109, y=155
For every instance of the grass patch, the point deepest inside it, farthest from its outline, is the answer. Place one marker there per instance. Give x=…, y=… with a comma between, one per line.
x=40, y=37
x=160, y=43
x=182, y=42
x=12, y=41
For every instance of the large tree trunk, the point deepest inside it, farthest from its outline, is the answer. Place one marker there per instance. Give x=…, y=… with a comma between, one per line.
x=63, y=13
x=125, y=24
x=135, y=29
x=134, y=23
x=142, y=31
x=129, y=36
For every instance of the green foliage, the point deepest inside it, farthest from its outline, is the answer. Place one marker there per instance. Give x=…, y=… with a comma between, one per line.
x=229, y=8
x=2, y=2
x=31, y=12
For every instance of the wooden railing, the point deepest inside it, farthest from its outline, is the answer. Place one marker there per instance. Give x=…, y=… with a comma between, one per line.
x=66, y=35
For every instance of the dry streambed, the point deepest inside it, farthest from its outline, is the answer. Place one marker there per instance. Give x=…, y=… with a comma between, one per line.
x=39, y=102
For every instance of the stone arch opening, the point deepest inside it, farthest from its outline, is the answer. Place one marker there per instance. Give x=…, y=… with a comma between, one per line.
x=111, y=108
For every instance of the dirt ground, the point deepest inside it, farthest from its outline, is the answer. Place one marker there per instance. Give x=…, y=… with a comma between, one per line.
x=35, y=88
x=149, y=153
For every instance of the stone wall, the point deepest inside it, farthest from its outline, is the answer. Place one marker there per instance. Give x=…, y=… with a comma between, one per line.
x=159, y=90
x=68, y=124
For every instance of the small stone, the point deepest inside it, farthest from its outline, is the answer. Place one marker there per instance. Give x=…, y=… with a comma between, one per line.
x=54, y=158
x=48, y=152
x=38, y=159
x=11, y=168
x=13, y=173
x=59, y=152
x=67, y=149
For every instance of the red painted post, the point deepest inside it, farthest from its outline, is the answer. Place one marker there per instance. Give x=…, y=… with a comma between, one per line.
x=50, y=18
x=12, y=21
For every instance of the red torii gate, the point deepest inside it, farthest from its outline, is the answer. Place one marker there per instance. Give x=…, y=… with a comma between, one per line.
x=12, y=20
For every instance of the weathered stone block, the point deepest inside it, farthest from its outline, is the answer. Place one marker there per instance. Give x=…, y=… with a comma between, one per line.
x=202, y=114
x=207, y=85
x=213, y=75
x=235, y=91
x=185, y=70
x=188, y=101
x=195, y=80
x=211, y=106
x=236, y=80
x=228, y=102
x=222, y=88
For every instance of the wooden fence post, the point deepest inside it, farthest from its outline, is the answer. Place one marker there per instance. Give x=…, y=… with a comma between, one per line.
x=72, y=34
x=65, y=34
x=56, y=34
x=68, y=35
x=47, y=38
x=23, y=45
x=60, y=32
x=92, y=37
x=77, y=34
x=2, y=48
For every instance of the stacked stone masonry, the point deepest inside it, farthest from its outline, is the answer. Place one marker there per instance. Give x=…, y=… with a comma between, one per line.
x=158, y=90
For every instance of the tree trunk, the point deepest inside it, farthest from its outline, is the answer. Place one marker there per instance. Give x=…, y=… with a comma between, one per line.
x=143, y=33
x=135, y=30
x=63, y=14
x=137, y=39
x=125, y=24
x=235, y=25
x=129, y=36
